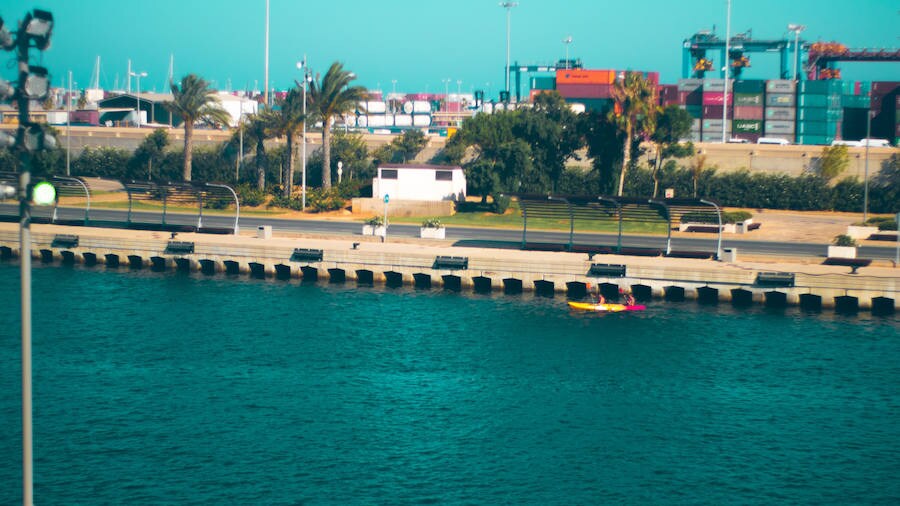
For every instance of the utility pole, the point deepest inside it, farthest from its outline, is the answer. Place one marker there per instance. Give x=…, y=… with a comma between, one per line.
x=508, y=6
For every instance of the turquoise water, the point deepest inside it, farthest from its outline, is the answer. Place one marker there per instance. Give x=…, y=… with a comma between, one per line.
x=183, y=389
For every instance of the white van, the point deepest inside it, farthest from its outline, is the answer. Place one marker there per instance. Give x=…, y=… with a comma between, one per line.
x=773, y=140
x=875, y=143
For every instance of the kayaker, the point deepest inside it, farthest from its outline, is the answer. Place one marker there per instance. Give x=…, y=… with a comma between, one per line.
x=629, y=299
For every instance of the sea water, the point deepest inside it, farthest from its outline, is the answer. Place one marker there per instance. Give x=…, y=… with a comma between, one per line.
x=187, y=389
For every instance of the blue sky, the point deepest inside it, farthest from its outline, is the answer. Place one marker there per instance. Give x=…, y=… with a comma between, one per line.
x=421, y=43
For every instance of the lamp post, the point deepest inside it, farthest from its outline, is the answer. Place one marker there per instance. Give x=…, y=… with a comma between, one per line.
x=866, y=173
x=508, y=6
x=796, y=29
x=69, y=124
x=138, y=76
x=727, y=64
x=567, y=41
x=302, y=65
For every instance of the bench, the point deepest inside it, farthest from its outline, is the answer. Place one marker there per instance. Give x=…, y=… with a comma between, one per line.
x=753, y=226
x=853, y=263
x=607, y=270
x=307, y=255
x=445, y=262
x=179, y=247
x=64, y=241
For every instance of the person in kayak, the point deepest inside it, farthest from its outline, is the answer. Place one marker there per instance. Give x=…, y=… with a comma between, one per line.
x=629, y=299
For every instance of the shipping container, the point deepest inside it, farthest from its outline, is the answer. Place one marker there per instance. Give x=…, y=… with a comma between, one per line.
x=821, y=87
x=820, y=140
x=373, y=107
x=780, y=100
x=668, y=95
x=830, y=101
x=593, y=104
x=856, y=101
x=716, y=98
x=696, y=124
x=747, y=126
x=584, y=90
x=543, y=83
x=713, y=85
x=781, y=86
x=693, y=136
x=690, y=84
x=779, y=127
x=817, y=128
x=422, y=120
x=694, y=97
x=405, y=120
x=715, y=125
x=884, y=87
x=749, y=99
x=715, y=112
x=714, y=137
x=85, y=117
x=818, y=114
x=750, y=86
x=695, y=111
x=581, y=76
x=748, y=112
x=781, y=113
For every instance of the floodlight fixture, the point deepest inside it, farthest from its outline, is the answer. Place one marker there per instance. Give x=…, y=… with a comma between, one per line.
x=38, y=26
x=36, y=83
x=6, y=41
x=35, y=138
x=7, y=90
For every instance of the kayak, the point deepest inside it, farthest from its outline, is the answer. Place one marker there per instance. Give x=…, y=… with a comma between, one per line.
x=613, y=308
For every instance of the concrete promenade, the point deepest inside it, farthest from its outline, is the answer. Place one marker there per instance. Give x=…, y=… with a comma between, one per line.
x=366, y=260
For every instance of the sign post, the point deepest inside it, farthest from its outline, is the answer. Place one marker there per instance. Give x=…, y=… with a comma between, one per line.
x=387, y=198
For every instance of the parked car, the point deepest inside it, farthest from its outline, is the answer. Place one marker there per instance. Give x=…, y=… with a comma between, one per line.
x=875, y=143
x=735, y=140
x=773, y=140
x=851, y=144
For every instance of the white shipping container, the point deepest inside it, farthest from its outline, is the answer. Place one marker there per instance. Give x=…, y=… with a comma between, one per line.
x=408, y=107
x=779, y=127
x=376, y=120
x=781, y=86
x=577, y=108
x=403, y=120
x=362, y=121
x=375, y=107
x=422, y=120
x=421, y=106
x=715, y=85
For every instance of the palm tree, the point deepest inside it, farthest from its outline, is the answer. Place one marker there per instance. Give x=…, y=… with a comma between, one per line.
x=329, y=98
x=288, y=121
x=195, y=101
x=634, y=112
x=259, y=128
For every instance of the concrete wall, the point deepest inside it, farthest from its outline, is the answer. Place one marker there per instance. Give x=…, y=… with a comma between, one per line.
x=406, y=208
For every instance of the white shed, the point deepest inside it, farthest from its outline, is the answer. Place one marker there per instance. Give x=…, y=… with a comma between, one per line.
x=420, y=182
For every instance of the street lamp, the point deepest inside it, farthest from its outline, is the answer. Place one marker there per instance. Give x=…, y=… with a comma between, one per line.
x=796, y=29
x=302, y=65
x=340, y=165
x=567, y=41
x=137, y=111
x=508, y=6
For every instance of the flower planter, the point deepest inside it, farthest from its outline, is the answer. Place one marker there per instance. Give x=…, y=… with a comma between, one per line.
x=858, y=232
x=432, y=233
x=842, y=252
x=372, y=230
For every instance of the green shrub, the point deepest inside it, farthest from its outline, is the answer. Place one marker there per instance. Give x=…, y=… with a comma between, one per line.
x=432, y=223
x=375, y=221
x=319, y=200
x=710, y=217
x=501, y=203
x=882, y=222
x=843, y=240
x=249, y=195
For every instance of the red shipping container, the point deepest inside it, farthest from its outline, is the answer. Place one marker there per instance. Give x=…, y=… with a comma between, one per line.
x=584, y=90
x=653, y=77
x=715, y=112
x=694, y=97
x=581, y=76
x=882, y=88
x=748, y=112
x=716, y=98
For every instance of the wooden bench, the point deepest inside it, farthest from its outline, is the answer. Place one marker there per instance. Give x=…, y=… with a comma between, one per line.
x=753, y=226
x=853, y=263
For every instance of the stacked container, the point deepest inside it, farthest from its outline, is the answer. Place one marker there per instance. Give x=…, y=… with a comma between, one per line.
x=819, y=111
x=856, y=103
x=884, y=109
x=690, y=96
x=715, y=108
x=593, y=88
x=780, y=109
x=749, y=107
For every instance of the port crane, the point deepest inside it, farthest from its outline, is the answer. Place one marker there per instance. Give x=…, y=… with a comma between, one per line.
x=696, y=63
x=823, y=57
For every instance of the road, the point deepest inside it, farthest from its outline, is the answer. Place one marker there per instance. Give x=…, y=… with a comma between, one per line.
x=468, y=236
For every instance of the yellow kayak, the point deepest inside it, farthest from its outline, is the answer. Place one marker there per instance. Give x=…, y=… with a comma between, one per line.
x=591, y=306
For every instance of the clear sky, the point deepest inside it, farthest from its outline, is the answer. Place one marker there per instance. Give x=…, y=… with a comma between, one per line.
x=421, y=43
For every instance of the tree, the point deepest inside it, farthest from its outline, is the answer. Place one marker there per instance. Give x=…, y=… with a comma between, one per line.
x=351, y=149
x=672, y=125
x=634, y=113
x=194, y=100
x=259, y=128
x=151, y=149
x=833, y=162
x=330, y=97
x=604, y=142
x=551, y=129
x=698, y=165
x=288, y=121
x=403, y=148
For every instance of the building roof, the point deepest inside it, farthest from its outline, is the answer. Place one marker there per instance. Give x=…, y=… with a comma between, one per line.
x=425, y=166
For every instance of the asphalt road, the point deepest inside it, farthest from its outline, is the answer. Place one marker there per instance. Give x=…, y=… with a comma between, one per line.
x=467, y=236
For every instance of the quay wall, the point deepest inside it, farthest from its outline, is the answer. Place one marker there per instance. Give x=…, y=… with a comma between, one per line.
x=411, y=261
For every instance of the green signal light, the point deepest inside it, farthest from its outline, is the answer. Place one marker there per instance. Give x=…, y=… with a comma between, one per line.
x=43, y=194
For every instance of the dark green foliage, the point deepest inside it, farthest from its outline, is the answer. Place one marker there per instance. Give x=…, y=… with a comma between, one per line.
x=148, y=154
x=501, y=203
x=104, y=161
x=249, y=195
x=843, y=240
x=882, y=222
x=711, y=217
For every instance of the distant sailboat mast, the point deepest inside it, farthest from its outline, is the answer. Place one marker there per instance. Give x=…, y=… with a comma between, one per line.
x=128, y=86
x=95, y=76
x=171, y=70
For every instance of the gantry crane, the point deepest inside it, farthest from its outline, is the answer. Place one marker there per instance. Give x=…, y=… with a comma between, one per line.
x=823, y=58
x=695, y=62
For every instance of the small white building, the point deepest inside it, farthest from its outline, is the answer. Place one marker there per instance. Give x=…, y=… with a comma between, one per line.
x=420, y=182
